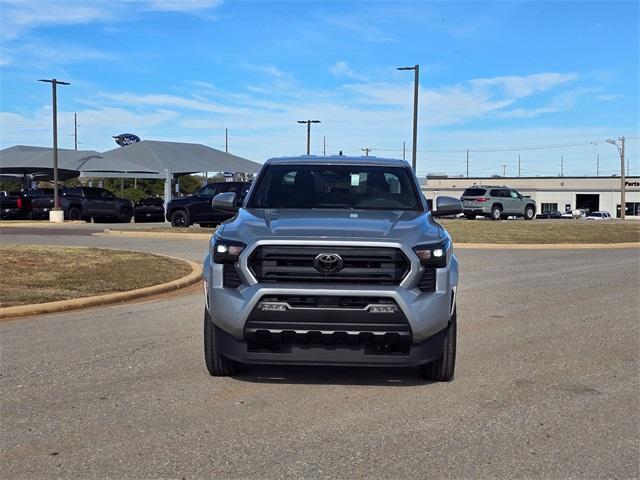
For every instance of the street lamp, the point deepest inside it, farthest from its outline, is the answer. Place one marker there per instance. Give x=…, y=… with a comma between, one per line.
x=308, y=122
x=620, y=147
x=56, y=202
x=416, y=83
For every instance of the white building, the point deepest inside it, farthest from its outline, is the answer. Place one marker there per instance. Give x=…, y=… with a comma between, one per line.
x=552, y=193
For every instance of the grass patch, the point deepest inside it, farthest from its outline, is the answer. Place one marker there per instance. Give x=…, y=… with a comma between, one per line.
x=36, y=274
x=542, y=231
x=507, y=231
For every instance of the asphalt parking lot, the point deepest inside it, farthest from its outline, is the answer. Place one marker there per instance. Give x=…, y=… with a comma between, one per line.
x=546, y=386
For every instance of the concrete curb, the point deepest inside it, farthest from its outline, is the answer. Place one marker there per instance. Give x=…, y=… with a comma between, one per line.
x=110, y=298
x=176, y=236
x=40, y=223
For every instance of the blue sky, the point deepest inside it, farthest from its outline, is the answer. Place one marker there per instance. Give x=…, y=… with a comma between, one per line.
x=494, y=76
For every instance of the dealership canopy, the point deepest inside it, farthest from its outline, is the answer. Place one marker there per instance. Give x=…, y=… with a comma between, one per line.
x=154, y=159
x=38, y=161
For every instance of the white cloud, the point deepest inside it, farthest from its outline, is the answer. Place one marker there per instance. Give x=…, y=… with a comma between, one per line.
x=343, y=70
x=607, y=97
x=20, y=16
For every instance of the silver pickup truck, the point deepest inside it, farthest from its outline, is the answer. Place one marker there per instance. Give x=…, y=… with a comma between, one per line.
x=332, y=261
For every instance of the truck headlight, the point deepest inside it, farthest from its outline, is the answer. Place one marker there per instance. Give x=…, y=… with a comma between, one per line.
x=226, y=251
x=435, y=254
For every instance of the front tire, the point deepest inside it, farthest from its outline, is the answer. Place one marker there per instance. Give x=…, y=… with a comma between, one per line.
x=125, y=215
x=217, y=365
x=442, y=368
x=180, y=218
x=74, y=213
x=529, y=212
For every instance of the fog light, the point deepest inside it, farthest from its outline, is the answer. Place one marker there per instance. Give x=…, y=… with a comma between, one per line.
x=438, y=252
x=383, y=309
x=221, y=248
x=272, y=307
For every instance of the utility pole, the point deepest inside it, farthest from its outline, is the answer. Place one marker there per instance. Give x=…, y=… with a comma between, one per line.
x=324, y=146
x=366, y=151
x=562, y=165
x=623, y=204
x=404, y=150
x=504, y=170
x=54, y=93
x=308, y=122
x=416, y=83
x=467, y=163
x=518, y=164
x=226, y=140
x=75, y=131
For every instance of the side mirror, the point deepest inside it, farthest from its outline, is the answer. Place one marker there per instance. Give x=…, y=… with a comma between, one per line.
x=225, y=201
x=446, y=206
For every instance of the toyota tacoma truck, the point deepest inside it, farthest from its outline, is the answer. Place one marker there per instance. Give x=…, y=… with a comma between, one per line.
x=332, y=261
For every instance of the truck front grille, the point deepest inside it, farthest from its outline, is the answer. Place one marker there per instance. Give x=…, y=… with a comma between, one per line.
x=361, y=265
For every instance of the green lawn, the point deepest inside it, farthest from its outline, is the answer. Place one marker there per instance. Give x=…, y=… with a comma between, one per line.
x=542, y=231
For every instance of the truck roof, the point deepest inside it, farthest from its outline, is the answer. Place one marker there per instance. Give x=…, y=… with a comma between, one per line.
x=337, y=160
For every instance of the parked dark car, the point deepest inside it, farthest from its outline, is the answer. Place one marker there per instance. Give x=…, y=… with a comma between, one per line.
x=182, y=212
x=150, y=209
x=550, y=214
x=13, y=207
x=84, y=203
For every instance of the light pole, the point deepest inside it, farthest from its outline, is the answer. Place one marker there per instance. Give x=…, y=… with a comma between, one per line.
x=54, y=83
x=620, y=148
x=416, y=83
x=597, y=159
x=308, y=122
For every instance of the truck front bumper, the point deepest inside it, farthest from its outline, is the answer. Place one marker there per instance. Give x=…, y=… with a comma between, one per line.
x=295, y=354
x=427, y=315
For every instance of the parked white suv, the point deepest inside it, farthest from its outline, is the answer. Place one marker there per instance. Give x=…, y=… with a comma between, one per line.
x=599, y=216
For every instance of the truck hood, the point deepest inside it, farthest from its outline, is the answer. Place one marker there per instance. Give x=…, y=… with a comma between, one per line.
x=409, y=227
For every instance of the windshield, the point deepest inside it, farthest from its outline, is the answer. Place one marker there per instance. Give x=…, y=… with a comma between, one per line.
x=335, y=186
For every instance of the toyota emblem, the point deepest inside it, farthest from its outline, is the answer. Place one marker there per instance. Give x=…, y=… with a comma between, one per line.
x=328, y=263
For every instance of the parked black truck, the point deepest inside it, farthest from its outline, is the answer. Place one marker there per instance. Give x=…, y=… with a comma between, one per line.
x=182, y=212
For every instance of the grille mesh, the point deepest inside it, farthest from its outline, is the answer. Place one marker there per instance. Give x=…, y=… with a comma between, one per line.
x=361, y=265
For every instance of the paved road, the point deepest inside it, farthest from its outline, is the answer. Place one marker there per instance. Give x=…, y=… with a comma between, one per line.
x=546, y=387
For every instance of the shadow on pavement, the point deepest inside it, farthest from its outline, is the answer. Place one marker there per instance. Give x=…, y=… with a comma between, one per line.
x=329, y=375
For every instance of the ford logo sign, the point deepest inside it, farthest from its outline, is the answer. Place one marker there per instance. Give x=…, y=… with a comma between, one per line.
x=328, y=263
x=126, y=139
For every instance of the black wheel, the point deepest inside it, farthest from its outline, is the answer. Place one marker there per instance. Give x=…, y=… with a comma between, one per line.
x=74, y=213
x=217, y=365
x=496, y=212
x=469, y=216
x=180, y=218
x=442, y=368
x=125, y=215
x=529, y=212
